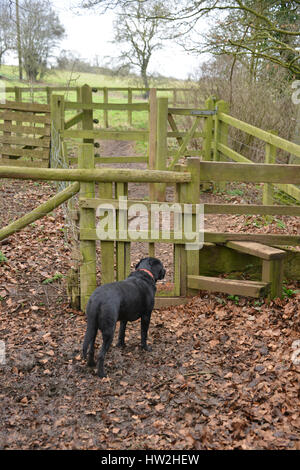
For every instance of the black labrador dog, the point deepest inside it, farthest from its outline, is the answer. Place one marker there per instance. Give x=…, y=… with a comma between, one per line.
x=122, y=301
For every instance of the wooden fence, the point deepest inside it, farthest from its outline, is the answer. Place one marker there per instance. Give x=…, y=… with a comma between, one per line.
x=24, y=134
x=177, y=96
x=187, y=178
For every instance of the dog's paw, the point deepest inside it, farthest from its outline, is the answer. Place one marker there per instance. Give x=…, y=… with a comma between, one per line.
x=146, y=347
x=91, y=363
x=120, y=344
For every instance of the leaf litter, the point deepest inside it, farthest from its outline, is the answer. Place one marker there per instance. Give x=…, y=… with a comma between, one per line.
x=220, y=375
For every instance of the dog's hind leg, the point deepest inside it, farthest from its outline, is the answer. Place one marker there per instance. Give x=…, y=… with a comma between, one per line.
x=145, y=322
x=107, y=340
x=121, y=339
x=91, y=361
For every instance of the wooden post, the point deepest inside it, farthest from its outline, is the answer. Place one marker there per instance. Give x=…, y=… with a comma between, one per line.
x=208, y=130
x=152, y=137
x=107, y=247
x=193, y=197
x=105, y=112
x=174, y=97
x=180, y=253
x=270, y=157
x=272, y=271
x=88, y=277
x=129, y=110
x=161, y=145
x=122, y=248
x=208, y=136
x=48, y=94
x=220, y=135
x=57, y=120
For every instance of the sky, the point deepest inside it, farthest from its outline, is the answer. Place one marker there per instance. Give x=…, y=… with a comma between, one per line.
x=89, y=35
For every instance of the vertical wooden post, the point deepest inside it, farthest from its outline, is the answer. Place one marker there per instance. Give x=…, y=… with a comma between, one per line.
x=18, y=94
x=174, y=97
x=208, y=136
x=161, y=145
x=270, y=157
x=220, y=135
x=48, y=94
x=193, y=197
x=272, y=271
x=208, y=130
x=107, y=247
x=57, y=120
x=88, y=277
x=129, y=110
x=105, y=112
x=180, y=253
x=122, y=248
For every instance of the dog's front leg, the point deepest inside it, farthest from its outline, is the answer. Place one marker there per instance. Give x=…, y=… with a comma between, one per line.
x=121, y=339
x=145, y=321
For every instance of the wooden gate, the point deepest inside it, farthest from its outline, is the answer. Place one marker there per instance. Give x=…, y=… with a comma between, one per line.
x=25, y=134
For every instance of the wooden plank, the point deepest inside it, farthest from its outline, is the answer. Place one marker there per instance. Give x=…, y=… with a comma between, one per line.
x=211, y=237
x=35, y=153
x=188, y=137
x=88, y=273
x=107, y=135
x=163, y=302
x=228, y=286
x=73, y=121
x=257, y=249
x=40, y=211
x=108, y=106
x=181, y=134
x=24, y=163
x=242, y=209
x=18, y=129
x=30, y=107
x=250, y=173
x=19, y=140
x=121, y=175
x=24, y=117
x=187, y=111
x=261, y=134
x=139, y=159
x=251, y=209
x=237, y=157
x=289, y=189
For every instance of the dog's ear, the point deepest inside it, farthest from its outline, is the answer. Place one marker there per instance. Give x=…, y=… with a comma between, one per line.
x=162, y=274
x=137, y=265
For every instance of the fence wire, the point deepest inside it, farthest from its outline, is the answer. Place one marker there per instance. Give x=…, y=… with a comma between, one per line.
x=59, y=160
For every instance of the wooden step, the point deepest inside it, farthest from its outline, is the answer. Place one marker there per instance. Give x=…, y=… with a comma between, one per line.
x=161, y=302
x=229, y=286
x=257, y=249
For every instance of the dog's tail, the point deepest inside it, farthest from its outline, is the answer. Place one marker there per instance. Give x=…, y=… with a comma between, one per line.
x=90, y=334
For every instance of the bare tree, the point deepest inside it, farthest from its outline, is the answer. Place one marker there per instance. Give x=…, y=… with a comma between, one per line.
x=138, y=36
x=272, y=27
x=6, y=29
x=40, y=31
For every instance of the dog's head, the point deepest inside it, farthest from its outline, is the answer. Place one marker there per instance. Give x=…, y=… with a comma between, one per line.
x=153, y=265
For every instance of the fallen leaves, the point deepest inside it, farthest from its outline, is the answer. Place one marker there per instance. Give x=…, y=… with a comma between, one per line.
x=220, y=376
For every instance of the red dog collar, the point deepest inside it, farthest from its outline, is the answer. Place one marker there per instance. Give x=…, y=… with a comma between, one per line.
x=148, y=272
